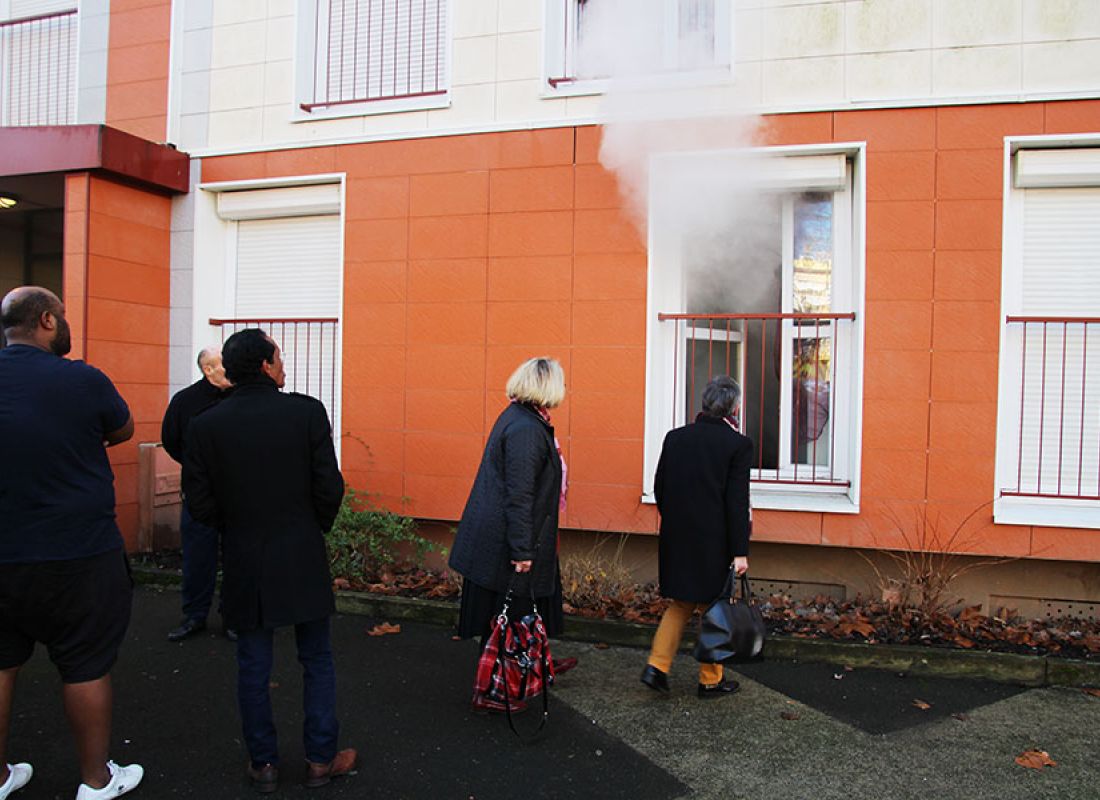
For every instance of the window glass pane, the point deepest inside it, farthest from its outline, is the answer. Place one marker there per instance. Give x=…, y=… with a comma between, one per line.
x=813, y=253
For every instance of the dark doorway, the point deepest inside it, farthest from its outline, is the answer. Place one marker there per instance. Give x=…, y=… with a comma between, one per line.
x=32, y=232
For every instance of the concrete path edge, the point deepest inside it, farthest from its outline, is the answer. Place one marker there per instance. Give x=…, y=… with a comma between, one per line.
x=924, y=661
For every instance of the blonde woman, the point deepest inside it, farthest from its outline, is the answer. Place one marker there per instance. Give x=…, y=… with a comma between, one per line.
x=510, y=524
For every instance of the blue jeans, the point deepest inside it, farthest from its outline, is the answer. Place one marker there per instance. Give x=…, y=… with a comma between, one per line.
x=200, y=565
x=321, y=729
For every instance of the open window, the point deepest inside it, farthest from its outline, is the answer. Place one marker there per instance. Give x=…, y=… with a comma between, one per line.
x=766, y=289
x=587, y=40
x=372, y=56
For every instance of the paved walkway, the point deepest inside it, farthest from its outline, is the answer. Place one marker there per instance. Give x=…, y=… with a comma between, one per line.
x=403, y=704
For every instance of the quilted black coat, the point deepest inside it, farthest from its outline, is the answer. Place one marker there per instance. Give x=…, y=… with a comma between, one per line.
x=702, y=491
x=513, y=506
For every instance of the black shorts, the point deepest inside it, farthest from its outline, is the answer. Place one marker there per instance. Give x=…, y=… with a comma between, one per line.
x=79, y=609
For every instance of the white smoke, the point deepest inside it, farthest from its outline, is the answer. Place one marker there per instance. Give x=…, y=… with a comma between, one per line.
x=665, y=95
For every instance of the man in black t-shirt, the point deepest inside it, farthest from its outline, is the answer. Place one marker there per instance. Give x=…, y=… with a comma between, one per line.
x=200, y=542
x=64, y=580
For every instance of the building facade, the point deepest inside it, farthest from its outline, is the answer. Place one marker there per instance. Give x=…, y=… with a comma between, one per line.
x=879, y=215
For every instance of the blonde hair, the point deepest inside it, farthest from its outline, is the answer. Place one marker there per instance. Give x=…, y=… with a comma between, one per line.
x=539, y=381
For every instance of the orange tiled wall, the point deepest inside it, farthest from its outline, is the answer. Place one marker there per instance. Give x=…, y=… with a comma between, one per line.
x=137, y=67
x=466, y=254
x=117, y=296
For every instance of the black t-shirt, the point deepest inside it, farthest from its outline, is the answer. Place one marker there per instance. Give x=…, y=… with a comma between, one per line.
x=57, y=496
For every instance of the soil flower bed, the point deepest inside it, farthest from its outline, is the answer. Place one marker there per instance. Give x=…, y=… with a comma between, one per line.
x=858, y=620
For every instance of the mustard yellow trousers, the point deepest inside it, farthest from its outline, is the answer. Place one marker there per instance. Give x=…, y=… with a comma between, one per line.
x=667, y=641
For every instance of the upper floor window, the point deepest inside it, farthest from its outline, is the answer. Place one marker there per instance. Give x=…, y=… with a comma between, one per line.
x=360, y=56
x=38, y=54
x=590, y=40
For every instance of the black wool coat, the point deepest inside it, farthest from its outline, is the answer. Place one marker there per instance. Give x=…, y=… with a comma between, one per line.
x=260, y=467
x=513, y=507
x=702, y=491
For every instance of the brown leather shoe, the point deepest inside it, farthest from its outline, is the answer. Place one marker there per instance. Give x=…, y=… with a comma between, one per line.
x=265, y=779
x=321, y=774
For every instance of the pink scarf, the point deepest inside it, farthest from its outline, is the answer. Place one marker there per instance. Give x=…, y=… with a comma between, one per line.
x=545, y=414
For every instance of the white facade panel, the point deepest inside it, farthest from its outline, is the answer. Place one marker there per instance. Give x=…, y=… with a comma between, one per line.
x=975, y=22
x=821, y=55
x=887, y=25
x=965, y=71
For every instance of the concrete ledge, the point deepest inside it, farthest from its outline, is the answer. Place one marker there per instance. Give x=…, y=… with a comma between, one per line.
x=926, y=661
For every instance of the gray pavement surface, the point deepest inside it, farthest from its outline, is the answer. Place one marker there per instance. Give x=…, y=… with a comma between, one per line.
x=404, y=705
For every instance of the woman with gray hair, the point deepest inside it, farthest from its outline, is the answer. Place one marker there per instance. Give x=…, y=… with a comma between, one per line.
x=509, y=528
x=702, y=490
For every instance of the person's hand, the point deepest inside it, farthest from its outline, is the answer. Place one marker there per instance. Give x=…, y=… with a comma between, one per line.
x=741, y=565
x=522, y=566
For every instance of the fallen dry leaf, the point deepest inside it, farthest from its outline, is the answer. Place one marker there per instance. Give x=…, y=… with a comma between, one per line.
x=383, y=629
x=1035, y=759
x=790, y=715
x=923, y=706
x=1093, y=692
x=961, y=717
x=601, y=645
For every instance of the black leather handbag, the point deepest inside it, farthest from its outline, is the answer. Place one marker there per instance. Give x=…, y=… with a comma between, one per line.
x=732, y=629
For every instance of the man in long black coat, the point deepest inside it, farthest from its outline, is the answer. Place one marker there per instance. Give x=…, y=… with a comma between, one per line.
x=702, y=491
x=261, y=468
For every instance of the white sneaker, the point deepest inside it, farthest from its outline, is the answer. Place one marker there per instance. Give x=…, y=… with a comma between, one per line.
x=123, y=780
x=18, y=776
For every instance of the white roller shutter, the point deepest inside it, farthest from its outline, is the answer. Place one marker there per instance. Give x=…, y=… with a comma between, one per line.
x=1059, y=446
x=288, y=272
x=288, y=267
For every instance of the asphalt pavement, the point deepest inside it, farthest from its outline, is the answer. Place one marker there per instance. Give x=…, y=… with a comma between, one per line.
x=794, y=731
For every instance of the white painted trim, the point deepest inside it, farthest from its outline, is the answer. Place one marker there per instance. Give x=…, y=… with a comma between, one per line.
x=318, y=199
x=833, y=501
x=1046, y=512
x=581, y=121
x=273, y=183
x=1043, y=140
x=175, y=67
x=394, y=136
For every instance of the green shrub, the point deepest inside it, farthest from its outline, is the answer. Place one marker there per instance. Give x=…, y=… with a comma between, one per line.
x=366, y=541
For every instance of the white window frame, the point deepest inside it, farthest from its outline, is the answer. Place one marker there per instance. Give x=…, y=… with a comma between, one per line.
x=563, y=16
x=664, y=354
x=6, y=12
x=1062, y=170
x=217, y=216
x=306, y=56
x=6, y=15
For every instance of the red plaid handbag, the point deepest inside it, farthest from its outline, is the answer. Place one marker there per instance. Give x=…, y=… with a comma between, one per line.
x=516, y=663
